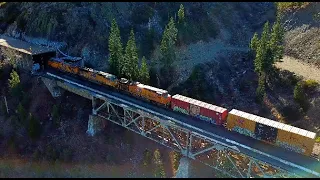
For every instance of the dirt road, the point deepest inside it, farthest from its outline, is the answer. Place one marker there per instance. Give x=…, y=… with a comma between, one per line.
x=300, y=68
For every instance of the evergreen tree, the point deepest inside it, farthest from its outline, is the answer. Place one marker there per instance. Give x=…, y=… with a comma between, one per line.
x=147, y=157
x=34, y=127
x=181, y=14
x=22, y=114
x=14, y=83
x=276, y=41
x=115, y=49
x=159, y=169
x=144, y=71
x=254, y=42
x=130, y=68
x=262, y=50
x=260, y=92
x=14, y=80
x=168, y=41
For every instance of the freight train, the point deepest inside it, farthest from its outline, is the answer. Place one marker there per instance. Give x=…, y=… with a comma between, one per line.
x=269, y=131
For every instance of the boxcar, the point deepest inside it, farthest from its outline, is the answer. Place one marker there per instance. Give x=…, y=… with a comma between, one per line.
x=202, y=110
x=296, y=139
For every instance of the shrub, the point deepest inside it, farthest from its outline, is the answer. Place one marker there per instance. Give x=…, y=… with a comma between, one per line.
x=14, y=84
x=290, y=113
x=147, y=158
x=286, y=6
x=22, y=114
x=176, y=160
x=299, y=95
x=310, y=84
x=159, y=170
x=34, y=128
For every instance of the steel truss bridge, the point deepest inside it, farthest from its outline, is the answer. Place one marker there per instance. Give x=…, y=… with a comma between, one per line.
x=231, y=158
x=232, y=154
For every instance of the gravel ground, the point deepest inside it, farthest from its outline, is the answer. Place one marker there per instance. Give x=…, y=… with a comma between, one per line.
x=300, y=68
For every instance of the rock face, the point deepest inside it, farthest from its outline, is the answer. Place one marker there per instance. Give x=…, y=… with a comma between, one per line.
x=95, y=125
x=82, y=29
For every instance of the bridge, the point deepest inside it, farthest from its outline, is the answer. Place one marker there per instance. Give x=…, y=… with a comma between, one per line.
x=227, y=152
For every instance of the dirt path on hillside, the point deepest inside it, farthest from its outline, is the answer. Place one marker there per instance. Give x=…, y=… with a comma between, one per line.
x=303, y=69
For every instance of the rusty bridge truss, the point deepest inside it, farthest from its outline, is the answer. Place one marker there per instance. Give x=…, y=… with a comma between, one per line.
x=226, y=159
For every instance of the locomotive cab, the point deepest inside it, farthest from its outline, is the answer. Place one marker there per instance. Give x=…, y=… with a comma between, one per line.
x=124, y=84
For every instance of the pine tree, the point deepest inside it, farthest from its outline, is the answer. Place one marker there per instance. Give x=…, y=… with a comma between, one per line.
x=260, y=92
x=144, y=71
x=260, y=62
x=159, y=170
x=130, y=68
x=168, y=41
x=254, y=42
x=181, y=14
x=115, y=49
x=276, y=41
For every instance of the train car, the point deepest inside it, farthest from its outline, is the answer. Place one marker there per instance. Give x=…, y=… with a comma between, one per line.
x=99, y=76
x=202, y=110
x=241, y=122
x=63, y=66
x=272, y=132
x=154, y=94
x=296, y=139
x=134, y=89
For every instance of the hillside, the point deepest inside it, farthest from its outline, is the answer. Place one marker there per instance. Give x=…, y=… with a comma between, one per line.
x=213, y=64
x=302, y=37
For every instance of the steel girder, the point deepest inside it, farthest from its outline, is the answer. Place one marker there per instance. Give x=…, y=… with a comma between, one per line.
x=225, y=159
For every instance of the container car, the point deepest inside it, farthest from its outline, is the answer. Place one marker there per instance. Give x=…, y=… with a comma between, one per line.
x=202, y=110
x=272, y=132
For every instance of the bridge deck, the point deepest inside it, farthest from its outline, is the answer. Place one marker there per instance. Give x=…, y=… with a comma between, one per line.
x=23, y=46
x=257, y=149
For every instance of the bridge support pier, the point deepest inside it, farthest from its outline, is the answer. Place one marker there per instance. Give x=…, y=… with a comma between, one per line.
x=95, y=125
x=184, y=168
x=52, y=86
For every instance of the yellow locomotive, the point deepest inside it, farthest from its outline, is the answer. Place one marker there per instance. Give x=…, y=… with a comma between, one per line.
x=149, y=93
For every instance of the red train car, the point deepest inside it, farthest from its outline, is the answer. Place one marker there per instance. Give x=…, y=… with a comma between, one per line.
x=202, y=110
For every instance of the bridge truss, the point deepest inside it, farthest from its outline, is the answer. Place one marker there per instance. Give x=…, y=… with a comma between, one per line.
x=217, y=155
x=224, y=158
